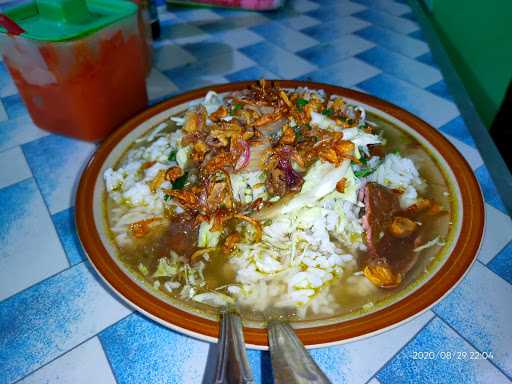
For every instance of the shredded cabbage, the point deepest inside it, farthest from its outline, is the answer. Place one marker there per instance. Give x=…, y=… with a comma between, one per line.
x=207, y=238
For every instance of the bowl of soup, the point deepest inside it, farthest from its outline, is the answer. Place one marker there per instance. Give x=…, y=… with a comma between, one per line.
x=322, y=206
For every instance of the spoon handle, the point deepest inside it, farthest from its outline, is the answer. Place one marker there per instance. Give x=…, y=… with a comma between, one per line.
x=232, y=365
x=291, y=363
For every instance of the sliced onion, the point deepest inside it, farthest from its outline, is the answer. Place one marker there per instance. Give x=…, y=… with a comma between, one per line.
x=245, y=156
x=257, y=151
x=272, y=128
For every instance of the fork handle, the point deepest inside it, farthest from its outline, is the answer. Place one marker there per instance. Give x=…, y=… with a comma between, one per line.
x=291, y=363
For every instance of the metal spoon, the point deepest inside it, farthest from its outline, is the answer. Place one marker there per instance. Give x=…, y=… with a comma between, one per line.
x=291, y=363
x=232, y=365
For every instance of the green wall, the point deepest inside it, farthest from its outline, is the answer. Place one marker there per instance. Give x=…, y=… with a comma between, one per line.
x=477, y=35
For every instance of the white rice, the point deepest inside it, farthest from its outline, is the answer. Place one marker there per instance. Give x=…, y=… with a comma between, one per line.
x=397, y=172
x=302, y=252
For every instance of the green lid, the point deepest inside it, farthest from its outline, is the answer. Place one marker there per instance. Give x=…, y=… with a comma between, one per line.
x=59, y=20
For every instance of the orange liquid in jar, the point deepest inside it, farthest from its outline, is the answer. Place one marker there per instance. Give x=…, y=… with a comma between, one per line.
x=104, y=87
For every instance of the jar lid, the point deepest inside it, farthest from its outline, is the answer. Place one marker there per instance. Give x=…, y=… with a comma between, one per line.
x=61, y=20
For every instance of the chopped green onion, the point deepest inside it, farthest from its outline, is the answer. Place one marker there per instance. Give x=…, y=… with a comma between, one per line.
x=298, y=133
x=301, y=103
x=167, y=197
x=235, y=108
x=327, y=112
x=172, y=155
x=179, y=183
x=363, y=172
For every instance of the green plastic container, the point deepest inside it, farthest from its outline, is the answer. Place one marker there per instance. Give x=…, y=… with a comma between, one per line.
x=79, y=65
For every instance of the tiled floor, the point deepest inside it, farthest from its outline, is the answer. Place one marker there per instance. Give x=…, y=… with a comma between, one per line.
x=60, y=324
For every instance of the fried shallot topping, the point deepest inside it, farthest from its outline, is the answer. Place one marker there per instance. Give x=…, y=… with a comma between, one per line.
x=263, y=128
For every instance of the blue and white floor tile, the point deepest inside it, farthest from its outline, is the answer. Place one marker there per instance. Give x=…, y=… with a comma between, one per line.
x=13, y=107
x=251, y=73
x=498, y=232
x=300, y=22
x=191, y=76
x=179, y=33
x=14, y=132
x=394, y=41
x=156, y=355
x=84, y=364
x=277, y=60
x=441, y=89
x=436, y=340
x=342, y=364
x=56, y=163
x=52, y=317
x=30, y=248
x=457, y=128
x=470, y=154
x=427, y=58
x=345, y=73
x=384, y=18
x=334, y=51
x=159, y=85
x=393, y=7
x=332, y=30
x=304, y=6
x=284, y=37
x=58, y=322
x=234, y=21
x=64, y=222
x=489, y=190
x=3, y=113
x=14, y=167
x=335, y=10
x=486, y=297
x=171, y=56
x=502, y=263
x=7, y=87
x=401, y=67
x=433, y=109
x=197, y=15
x=235, y=39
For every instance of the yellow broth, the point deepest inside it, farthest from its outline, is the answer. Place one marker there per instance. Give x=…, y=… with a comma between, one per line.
x=351, y=292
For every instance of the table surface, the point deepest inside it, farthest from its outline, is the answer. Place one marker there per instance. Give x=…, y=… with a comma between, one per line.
x=60, y=324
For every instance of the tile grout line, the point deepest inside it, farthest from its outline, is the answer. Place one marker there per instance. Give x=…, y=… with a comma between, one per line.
x=105, y=352
x=12, y=147
x=52, y=360
x=388, y=13
x=19, y=181
x=401, y=348
x=415, y=85
x=48, y=209
x=42, y=281
x=407, y=58
x=406, y=36
x=490, y=270
x=445, y=322
x=72, y=349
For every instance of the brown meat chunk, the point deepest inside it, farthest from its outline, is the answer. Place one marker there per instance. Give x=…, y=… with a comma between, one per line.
x=181, y=235
x=402, y=227
x=394, y=256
